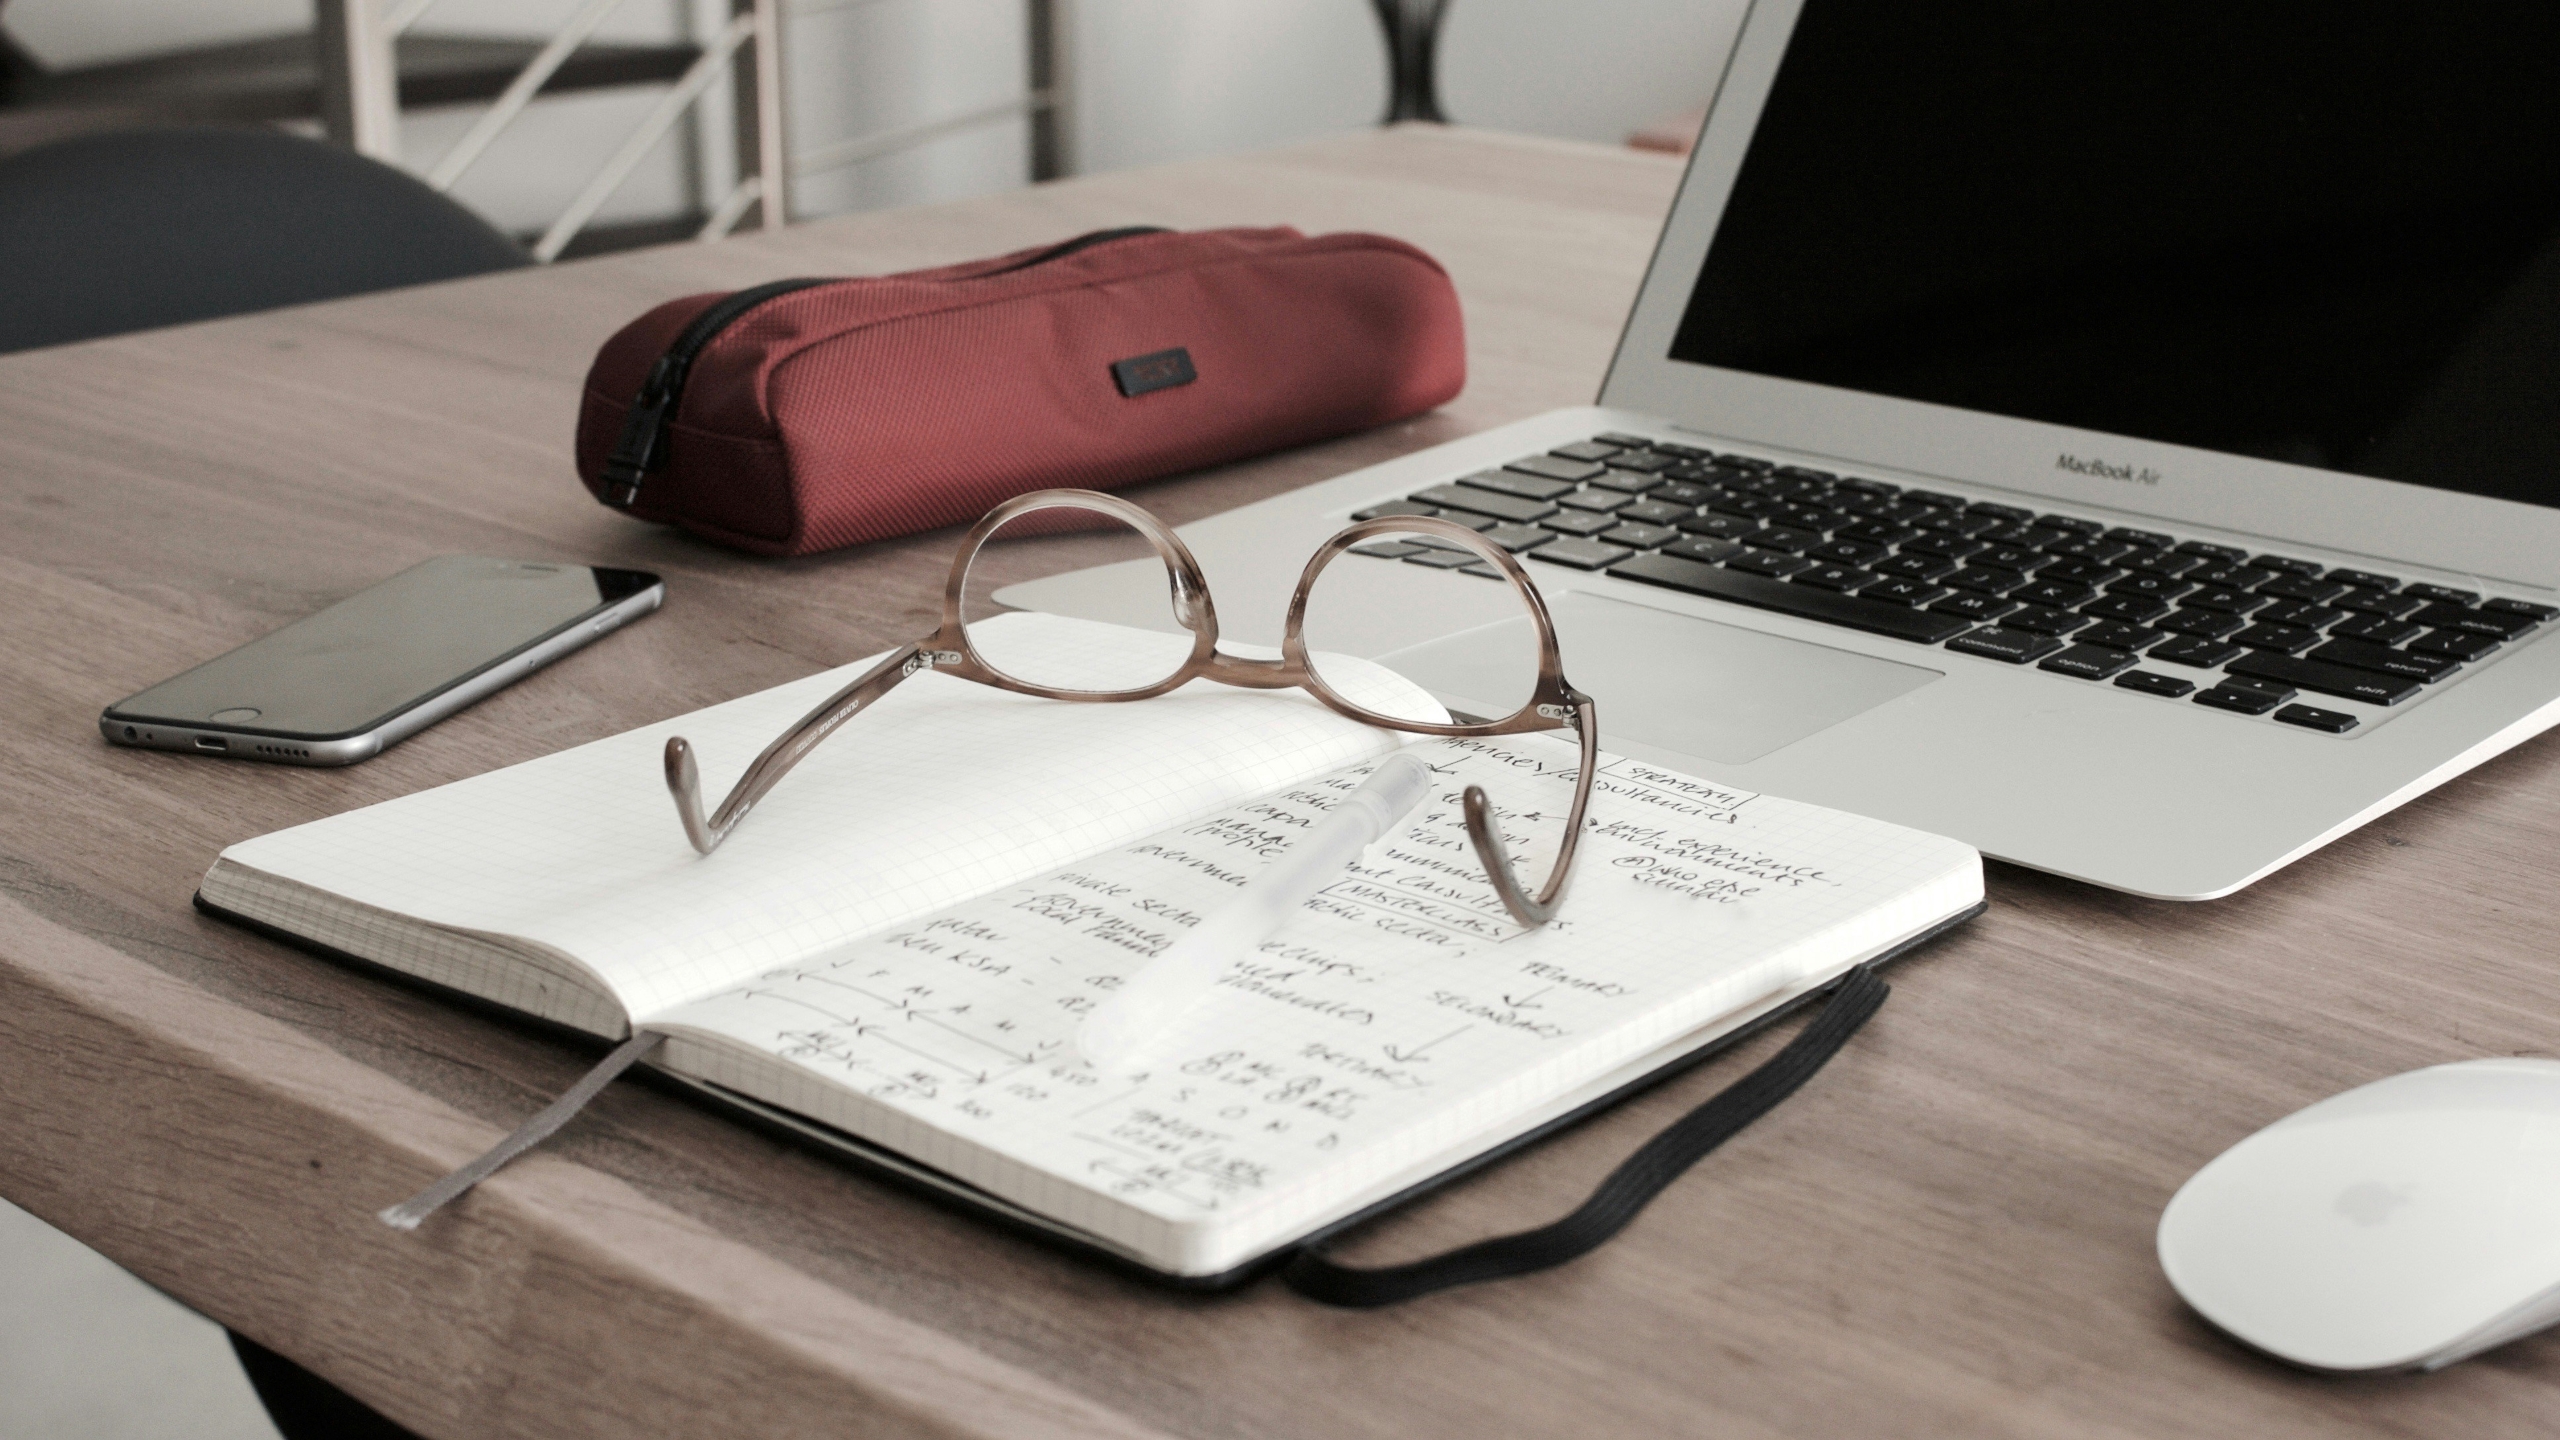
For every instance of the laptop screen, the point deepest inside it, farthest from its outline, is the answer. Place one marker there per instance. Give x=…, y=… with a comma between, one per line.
x=2317, y=231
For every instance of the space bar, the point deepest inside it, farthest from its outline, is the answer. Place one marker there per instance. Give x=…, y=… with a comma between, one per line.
x=1804, y=600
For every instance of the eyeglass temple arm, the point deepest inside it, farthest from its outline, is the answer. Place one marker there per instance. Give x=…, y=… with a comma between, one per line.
x=1486, y=831
x=684, y=779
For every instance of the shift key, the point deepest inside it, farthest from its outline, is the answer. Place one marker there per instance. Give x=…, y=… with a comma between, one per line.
x=2326, y=678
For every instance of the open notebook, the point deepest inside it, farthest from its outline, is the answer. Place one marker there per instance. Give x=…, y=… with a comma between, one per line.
x=898, y=946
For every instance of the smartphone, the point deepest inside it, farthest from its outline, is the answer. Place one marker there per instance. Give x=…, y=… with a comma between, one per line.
x=378, y=667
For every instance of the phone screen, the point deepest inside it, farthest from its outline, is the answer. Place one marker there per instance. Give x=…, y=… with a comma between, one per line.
x=368, y=658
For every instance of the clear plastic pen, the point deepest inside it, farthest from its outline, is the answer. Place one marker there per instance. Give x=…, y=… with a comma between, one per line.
x=1117, y=1035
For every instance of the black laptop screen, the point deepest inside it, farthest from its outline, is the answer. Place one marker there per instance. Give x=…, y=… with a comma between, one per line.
x=2318, y=231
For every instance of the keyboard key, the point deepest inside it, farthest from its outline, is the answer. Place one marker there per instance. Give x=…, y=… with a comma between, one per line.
x=2440, y=592
x=1396, y=507
x=1743, y=503
x=1915, y=566
x=2044, y=620
x=1876, y=532
x=2383, y=660
x=1780, y=537
x=1823, y=478
x=1957, y=522
x=2232, y=697
x=1622, y=440
x=2158, y=587
x=1938, y=498
x=1513, y=508
x=1482, y=571
x=2007, y=557
x=1946, y=543
x=1774, y=564
x=2221, y=597
x=2301, y=587
x=1595, y=499
x=2132, y=609
x=1994, y=642
x=2089, y=662
x=1439, y=559
x=2072, y=523
x=2237, y=577
x=2152, y=682
x=1680, y=492
x=2521, y=607
x=1528, y=487
x=1639, y=537
x=2061, y=594
x=1650, y=511
x=2365, y=579
x=1974, y=607
x=2211, y=551
x=1585, y=450
x=1719, y=527
x=1836, y=577
x=1984, y=579
x=1809, y=517
x=2460, y=644
x=2146, y=539
x=1903, y=590
x=1580, y=523
x=2378, y=629
x=1907, y=512
x=2328, y=679
x=2088, y=547
x=2505, y=625
x=2196, y=650
x=2373, y=602
x=1685, y=452
x=2288, y=564
x=1704, y=548
x=1845, y=552
x=2031, y=537
x=1878, y=488
x=2084, y=572
x=1646, y=461
x=1743, y=462
x=1580, y=554
x=2313, y=718
x=2011, y=513
x=1732, y=583
x=1516, y=538
x=1389, y=549
x=1628, y=482
x=1556, y=467
x=2161, y=562
x=2116, y=636
x=2296, y=612
x=2289, y=639
x=2210, y=624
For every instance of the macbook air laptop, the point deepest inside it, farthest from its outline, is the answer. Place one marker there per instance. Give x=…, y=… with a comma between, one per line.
x=2123, y=436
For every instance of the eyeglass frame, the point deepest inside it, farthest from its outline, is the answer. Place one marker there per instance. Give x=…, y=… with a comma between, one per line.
x=1553, y=704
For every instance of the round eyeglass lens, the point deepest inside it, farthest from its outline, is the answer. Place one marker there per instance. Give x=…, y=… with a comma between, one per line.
x=1072, y=656
x=1441, y=617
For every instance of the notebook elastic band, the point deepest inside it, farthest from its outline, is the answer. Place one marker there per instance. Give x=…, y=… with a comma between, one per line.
x=1628, y=1189
x=407, y=1214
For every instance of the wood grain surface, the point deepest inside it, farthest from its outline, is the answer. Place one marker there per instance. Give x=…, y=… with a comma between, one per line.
x=1949, y=1233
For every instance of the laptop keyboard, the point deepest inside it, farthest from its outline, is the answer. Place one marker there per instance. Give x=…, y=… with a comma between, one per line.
x=2142, y=609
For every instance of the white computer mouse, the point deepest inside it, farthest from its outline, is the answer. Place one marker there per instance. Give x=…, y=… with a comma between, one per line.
x=2405, y=1224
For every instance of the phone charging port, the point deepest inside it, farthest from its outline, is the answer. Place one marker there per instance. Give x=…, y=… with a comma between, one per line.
x=212, y=742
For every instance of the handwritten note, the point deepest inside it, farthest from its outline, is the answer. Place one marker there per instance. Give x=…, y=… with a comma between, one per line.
x=1400, y=1015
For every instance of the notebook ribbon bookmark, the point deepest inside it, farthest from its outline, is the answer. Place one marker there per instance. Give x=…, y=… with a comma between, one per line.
x=407, y=1214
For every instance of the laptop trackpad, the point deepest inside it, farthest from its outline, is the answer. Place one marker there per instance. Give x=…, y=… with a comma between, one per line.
x=1718, y=692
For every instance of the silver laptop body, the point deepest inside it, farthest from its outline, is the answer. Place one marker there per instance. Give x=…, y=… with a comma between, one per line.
x=2074, y=770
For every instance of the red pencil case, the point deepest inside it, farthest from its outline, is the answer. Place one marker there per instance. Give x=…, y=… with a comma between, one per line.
x=804, y=415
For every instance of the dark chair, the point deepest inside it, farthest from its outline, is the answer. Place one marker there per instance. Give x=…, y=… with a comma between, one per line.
x=141, y=228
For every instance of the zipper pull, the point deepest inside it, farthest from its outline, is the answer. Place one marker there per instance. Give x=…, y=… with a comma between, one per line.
x=637, y=452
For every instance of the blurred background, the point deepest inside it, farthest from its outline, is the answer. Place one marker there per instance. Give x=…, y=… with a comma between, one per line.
x=858, y=104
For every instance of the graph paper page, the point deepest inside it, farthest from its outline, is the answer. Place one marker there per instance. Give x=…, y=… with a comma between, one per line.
x=941, y=790
x=1399, y=1014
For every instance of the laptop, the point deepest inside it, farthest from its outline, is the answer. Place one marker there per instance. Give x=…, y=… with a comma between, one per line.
x=2124, y=437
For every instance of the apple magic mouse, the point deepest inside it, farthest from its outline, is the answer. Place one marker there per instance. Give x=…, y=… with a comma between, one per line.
x=2405, y=1224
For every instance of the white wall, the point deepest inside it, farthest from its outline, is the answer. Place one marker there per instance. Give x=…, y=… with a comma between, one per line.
x=1154, y=80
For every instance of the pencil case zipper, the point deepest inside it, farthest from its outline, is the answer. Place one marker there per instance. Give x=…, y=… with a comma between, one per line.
x=642, y=446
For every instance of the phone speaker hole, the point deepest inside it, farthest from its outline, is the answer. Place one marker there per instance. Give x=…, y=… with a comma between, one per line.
x=289, y=752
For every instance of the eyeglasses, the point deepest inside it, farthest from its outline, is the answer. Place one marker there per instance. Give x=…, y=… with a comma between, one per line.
x=960, y=649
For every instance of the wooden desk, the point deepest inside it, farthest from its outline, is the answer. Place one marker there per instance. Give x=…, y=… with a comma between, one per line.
x=1949, y=1233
